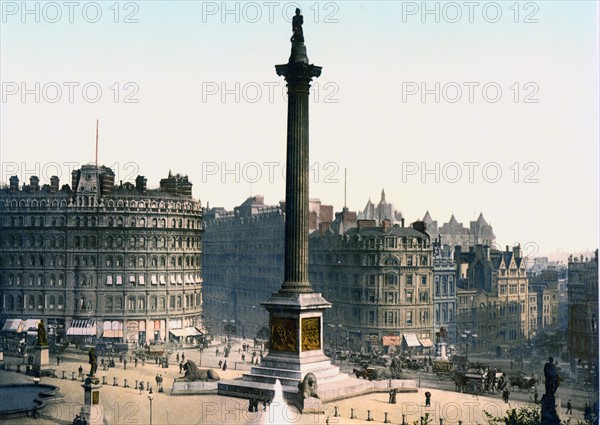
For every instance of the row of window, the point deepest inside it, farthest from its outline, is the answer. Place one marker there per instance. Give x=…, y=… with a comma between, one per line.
x=84, y=261
x=40, y=221
x=90, y=242
x=393, y=317
x=32, y=302
x=155, y=279
x=408, y=260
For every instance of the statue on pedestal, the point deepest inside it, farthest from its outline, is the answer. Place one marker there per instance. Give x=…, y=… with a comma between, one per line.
x=551, y=375
x=93, y=360
x=42, y=338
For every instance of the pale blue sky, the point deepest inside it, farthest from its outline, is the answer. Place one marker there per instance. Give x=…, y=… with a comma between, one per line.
x=178, y=50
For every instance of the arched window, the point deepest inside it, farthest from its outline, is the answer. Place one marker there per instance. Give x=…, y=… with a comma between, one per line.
x=111, y=222
x=30, y=302
x=52, y=301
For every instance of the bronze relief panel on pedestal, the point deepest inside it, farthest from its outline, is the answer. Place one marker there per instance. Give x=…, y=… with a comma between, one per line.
x=284, y=334
x=311, y=333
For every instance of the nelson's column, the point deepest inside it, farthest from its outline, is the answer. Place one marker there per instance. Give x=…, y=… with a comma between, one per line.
x=295, y=311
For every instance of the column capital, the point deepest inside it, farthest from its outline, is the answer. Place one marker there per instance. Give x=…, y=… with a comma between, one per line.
x=298, y=72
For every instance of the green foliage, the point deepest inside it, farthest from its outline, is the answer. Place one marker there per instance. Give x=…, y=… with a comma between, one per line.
x=531, y=415
x=527, y=415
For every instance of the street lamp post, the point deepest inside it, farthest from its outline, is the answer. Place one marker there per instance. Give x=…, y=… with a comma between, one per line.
x=151, y=397
x=468, y=337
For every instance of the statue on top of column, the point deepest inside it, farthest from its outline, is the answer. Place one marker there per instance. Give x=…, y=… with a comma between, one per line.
x=297, y=22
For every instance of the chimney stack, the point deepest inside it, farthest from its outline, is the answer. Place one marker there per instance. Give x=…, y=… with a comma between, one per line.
x=54, y=183
x=517, y=251
x=34, y=183
x=14, y=184
x=140, y=184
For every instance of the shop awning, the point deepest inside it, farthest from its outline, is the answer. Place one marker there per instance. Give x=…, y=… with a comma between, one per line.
x=185, y=332
x=31, y=324
x=112, y=333
x=411, y=340
x=82, y=327
x=426, y=342
x=12, y=325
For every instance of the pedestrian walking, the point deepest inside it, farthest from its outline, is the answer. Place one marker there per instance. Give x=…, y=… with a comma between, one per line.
x=136, y=361
x=183, y=357
x=57, y=360
x=124, y=363
x=80, y=370
x=225, y=365
x=392, y=398
x=220, y=363
x=535, y=396
x=177, y=357
x=505, y=395
x=180, y=367
x=427, y=399
x=569, y=408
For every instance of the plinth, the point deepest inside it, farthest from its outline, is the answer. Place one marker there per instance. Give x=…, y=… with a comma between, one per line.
x=41, y=361
x=92, y=411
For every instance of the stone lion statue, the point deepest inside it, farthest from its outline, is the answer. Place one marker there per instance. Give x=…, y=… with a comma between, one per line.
x=308, y=386
x=192, y=373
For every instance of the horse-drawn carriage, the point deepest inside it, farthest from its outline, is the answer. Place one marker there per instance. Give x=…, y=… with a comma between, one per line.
x=520, y=381
x=469, y=382
x=443, y=369
x=372, y=373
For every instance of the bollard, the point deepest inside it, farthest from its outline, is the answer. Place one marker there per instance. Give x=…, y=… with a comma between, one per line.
x=352, y=416
x=136, y=384
x=73, y=376
x=441, y=421
x=64, y=377
x=386, y=420
x=125, y=383
x=369, y=418
x=115, y=382
x=104, y=380
x=148, y=385
x=459, y=422
x=404, y=420
x=336, y=412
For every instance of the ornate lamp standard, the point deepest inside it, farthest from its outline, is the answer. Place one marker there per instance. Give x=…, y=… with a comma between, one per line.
x=469, y=338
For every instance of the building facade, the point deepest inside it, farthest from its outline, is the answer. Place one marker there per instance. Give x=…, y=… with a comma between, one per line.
x=454, y=233
x=444, y=290
x=582, y=332
x=493, y=297
x=243, y=262
x=379, y=279
x=96, y=259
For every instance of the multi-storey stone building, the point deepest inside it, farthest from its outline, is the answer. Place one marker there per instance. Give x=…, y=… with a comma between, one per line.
x=493, y=296
x=96, y=259
x=379, y=280
x=444, y=292
x=243, y=262
x=545, y=285
x=582, y=332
